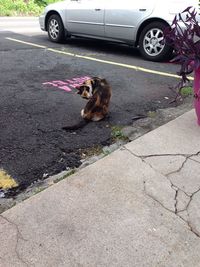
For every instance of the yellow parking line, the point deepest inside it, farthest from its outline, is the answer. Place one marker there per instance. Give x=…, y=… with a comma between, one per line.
x=61, y=52
x=22, y=42
x=136, y=68
x=6, y=181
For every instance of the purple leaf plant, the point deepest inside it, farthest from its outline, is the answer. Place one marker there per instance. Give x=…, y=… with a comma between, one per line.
x=184, y=36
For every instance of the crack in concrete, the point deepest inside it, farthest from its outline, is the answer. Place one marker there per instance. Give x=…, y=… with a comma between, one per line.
x=191, y=228
x=183, y=164
x=174, y=187
x=188, y=215
x=191, y=198
x=179, y=169
x=162, y=155
x=19, y=236
x=176, y=200
x=176, y=213
x=195, y=160
x=145, y=190
x=189, y=225
x=181, y=210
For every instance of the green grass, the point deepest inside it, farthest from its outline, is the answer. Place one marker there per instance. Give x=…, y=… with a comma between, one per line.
x=117, y=134
x=186, y=91
x=22, y=7
x=151, y=114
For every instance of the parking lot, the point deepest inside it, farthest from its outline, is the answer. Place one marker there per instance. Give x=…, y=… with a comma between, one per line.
x=37, y=98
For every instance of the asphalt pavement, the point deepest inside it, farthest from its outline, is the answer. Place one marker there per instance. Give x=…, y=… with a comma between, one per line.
x=34, y=105
x=137, y=207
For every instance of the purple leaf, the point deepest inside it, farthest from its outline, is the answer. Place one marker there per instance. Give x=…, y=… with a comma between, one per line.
x=187, y=9
x=183, y=40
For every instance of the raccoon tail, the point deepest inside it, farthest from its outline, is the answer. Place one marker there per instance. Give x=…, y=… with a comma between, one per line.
x=77, y=126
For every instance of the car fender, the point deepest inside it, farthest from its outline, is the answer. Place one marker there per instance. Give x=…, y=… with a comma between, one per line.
x=164, y=11
x=60, y=8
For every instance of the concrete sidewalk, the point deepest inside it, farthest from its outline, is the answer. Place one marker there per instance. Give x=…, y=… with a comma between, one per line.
x=139, y=206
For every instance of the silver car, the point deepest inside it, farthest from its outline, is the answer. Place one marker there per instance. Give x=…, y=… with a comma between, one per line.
x=139, y=23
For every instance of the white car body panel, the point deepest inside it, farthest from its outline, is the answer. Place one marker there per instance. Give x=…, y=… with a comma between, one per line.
x=122, y=17
x=86, y=17
x=113, y=19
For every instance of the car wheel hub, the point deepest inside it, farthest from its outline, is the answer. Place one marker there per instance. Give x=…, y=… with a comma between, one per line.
x=53, y=29
x=153, y=42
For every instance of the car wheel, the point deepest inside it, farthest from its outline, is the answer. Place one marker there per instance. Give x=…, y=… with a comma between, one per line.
x=55, y=29
x=151, y=42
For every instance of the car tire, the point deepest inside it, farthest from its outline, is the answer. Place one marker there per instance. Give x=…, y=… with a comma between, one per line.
x=151, y=43
x=55, y=29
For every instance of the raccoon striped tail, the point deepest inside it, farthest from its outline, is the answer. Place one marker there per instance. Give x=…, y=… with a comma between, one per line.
x=77, y=126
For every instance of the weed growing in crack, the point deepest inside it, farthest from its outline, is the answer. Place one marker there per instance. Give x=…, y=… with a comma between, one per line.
x=39, y=190
x=151, y=114
x=117, y=134
x=106, y=153
x=65, y=176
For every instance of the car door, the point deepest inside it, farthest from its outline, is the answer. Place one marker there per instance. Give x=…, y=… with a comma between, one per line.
x=86, y=17
x=122, y=17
